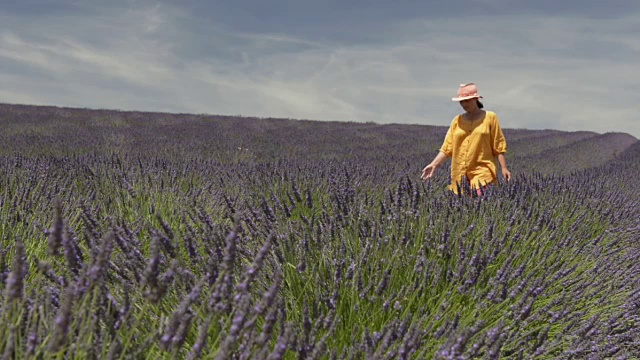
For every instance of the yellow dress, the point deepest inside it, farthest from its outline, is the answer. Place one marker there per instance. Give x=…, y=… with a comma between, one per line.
x=473, y=148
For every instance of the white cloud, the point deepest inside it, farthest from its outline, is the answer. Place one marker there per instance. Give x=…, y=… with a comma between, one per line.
x=566, y=73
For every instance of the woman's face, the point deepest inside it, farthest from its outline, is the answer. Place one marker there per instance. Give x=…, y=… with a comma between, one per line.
x=469, y=105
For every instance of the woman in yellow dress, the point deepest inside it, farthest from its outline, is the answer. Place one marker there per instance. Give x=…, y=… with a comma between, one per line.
x=474, y=142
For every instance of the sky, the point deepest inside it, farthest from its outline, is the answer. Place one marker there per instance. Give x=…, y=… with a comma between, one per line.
x=546, y=64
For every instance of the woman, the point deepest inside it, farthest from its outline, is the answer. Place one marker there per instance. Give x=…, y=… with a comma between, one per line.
x=474, y=142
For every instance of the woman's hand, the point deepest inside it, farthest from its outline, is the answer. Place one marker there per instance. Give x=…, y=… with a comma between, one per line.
x=506, y=173
x=503, y=165
x=428, y=171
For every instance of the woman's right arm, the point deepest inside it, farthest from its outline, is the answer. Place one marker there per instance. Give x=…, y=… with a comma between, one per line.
x=445, y=152
x=430, y=169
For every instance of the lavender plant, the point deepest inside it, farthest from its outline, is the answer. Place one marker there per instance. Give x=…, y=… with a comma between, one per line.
x=137, y=235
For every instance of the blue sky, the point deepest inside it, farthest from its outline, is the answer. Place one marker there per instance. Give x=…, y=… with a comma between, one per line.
x=568, y=65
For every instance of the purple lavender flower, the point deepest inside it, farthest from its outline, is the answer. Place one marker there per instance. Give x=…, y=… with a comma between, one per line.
x=15, y=281
x=55, y=233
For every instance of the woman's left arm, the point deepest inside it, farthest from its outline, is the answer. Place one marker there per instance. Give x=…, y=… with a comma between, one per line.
x=499, y=147
x=503, y=166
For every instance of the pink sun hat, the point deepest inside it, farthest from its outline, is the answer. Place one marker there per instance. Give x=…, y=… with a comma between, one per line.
x=467, y=91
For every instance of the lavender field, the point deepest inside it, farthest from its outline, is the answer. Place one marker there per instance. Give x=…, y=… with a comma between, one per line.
x=132, y=235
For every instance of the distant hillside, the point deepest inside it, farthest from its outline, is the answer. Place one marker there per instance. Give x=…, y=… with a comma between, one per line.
x=576, y=153
x=47, y=130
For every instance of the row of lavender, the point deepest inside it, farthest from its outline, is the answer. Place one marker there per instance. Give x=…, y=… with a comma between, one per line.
x=346, y=255
x=34, y=130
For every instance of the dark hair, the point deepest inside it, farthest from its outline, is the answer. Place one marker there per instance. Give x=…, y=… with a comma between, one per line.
x=480, y=105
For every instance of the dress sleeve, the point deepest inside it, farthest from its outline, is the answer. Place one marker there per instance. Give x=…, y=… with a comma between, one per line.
x=447, y=145
x=498, y=141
